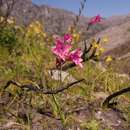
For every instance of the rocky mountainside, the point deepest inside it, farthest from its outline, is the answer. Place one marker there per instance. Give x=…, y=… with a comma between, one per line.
x=118, y=34
x=55, y=20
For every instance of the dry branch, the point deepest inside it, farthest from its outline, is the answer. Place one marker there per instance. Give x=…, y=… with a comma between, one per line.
x=107, y=102
x=36, y=89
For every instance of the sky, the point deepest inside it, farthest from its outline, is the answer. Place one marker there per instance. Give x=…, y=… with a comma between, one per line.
x=105, y=8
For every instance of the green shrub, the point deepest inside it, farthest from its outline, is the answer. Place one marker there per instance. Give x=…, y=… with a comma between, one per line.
x=8, y=37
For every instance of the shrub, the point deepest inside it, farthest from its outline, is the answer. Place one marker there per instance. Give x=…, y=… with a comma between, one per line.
x=8, y=37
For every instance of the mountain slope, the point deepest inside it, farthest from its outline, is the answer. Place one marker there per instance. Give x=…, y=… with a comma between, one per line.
x=55, y=20
x=118, y=35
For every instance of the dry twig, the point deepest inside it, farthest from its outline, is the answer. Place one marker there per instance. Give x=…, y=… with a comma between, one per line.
x=107, y=102
x=36, y=89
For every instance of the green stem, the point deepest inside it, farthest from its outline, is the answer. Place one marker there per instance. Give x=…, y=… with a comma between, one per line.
x=59, y=110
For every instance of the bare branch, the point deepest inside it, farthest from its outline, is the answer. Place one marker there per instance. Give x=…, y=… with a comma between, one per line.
x=36, y=89
x=107, y=102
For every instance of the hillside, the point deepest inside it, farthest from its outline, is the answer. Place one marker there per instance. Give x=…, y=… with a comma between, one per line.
x=118, y=34
x=118, y=47
x=58, y=20
x=55, y=20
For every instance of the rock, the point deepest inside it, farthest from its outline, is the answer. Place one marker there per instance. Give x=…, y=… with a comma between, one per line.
x=64, y=75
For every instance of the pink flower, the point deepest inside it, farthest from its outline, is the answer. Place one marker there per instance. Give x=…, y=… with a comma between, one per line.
x=61, y=50
x=95, y=19
x=75, y=56
x=68, y=38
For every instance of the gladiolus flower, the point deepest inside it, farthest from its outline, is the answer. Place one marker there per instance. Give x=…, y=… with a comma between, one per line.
x=67, y=38
x=61, y=49
x=95, y=19
x=75, y=56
